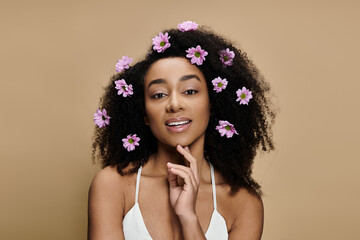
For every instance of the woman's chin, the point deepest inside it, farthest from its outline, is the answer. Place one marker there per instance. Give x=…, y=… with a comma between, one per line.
x=175, y=142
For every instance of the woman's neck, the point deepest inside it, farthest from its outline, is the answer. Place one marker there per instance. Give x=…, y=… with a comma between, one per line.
x=157, y=162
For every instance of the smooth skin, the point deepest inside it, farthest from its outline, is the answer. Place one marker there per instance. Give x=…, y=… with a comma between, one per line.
x=175, y=195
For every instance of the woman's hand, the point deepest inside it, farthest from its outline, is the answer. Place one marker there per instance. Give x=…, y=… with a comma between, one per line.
x=183, y=196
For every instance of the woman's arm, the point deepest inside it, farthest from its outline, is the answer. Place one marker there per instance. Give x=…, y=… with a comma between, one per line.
x=105, y=209
x=191, y=228
x=250, y=217
x=183, y=196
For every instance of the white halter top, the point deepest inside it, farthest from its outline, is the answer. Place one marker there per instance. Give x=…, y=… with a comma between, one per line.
x=134, y=227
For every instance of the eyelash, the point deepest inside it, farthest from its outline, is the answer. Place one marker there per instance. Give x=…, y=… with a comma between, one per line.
x=192, y=90
x=156, y=96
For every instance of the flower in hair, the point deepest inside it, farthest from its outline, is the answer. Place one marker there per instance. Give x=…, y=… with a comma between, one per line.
x=123, y=64
x=187, y=26
x=101, y=118
x=244, y=96
x=226, y=57
x=124, y=89
x=219, y=84
x=226, y=128
x=161, y=42
x=197, y=55
x=130, y=142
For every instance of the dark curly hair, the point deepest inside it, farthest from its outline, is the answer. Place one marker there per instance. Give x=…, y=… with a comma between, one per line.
x=232, y=157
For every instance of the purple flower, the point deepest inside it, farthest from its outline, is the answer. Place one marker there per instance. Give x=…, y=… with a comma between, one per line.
x=244, y=96
x=161, y=42
x=219, y=84
x=101, y=119
x=124, y=89
x=197, y=55
x=130, y=142
x=187, y=26
x=226, y=57
x=227, y=128
x=123, y=64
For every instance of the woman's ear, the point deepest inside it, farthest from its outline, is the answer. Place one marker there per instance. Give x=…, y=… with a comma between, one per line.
x=146, y=120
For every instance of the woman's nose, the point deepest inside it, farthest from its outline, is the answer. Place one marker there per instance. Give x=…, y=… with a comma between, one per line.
x=175, y=103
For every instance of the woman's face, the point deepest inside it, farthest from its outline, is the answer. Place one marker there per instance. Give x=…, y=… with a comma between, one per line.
x=176, y=102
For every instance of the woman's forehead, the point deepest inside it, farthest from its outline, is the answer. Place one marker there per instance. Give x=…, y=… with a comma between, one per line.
x=176, y=68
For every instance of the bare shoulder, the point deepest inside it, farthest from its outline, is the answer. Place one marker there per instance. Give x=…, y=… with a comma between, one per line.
x=106, y=183
x=106, y=204
x=250, y=202
x=109, y=182
x=107, y=177
x=249, y=210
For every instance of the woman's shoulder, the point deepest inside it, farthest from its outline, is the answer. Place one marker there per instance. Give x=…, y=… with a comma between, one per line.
x=246, y=210
x=103, y=185
x=245, y=196
x=109, y=187
x=242, y=201
x=248, y=201
x=109, y=181
x=106, y=204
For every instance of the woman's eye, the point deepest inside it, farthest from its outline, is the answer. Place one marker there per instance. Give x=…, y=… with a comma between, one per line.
x=158, y=95
x=191, y=92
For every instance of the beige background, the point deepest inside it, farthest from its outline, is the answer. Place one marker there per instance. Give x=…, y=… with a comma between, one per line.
x=55, y=57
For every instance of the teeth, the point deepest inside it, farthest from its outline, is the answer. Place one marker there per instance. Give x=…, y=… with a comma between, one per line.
x=178, y=123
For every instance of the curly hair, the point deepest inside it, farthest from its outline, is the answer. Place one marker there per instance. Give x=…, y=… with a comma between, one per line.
x=232, y=157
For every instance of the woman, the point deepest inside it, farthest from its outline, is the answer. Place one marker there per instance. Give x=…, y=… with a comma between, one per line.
x=187, y=120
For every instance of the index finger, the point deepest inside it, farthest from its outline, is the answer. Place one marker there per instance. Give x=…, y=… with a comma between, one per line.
x=190, y=158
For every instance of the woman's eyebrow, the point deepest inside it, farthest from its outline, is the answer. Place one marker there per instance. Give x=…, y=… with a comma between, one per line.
x=183, y=78
x=157, y=81
x=187, y=77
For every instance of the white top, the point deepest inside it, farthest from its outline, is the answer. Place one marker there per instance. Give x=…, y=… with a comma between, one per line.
x=134, y=227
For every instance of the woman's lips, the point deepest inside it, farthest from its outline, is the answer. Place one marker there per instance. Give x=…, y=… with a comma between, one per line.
x=179, y=128
x=177, y=119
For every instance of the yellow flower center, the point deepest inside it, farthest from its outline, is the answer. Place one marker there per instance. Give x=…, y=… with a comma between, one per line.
x=220, y=84
x=243, y=96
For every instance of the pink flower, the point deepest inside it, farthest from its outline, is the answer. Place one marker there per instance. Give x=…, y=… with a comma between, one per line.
x=226, y=57
x=244, y=96
x=197, y=55
x=187, y=26
x=227, y=128
x=130, y=142
x=101, y=119
x=123, y=64
x=124, y=89
x=161, y=42
x=219, y=84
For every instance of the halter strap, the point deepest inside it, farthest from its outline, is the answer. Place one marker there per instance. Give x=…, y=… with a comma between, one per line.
x=137, y=184
x=213, y=185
